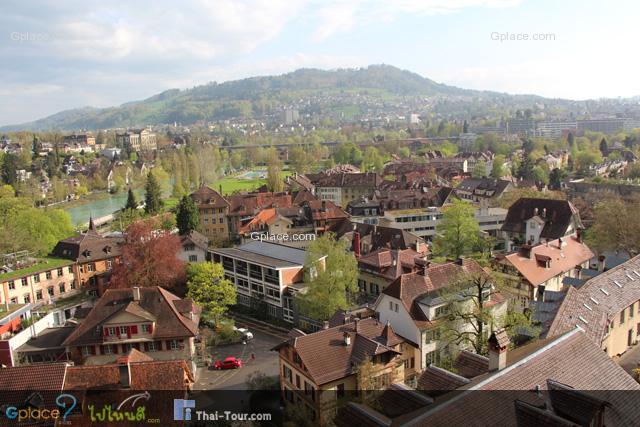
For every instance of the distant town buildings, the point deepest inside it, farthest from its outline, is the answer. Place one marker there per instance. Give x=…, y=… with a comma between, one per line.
x=137, y=140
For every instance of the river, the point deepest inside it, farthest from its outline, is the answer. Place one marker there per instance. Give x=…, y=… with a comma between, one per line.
x=82, y=209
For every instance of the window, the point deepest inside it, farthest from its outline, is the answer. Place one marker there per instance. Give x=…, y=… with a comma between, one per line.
x=86, y=350
x=286, y=371
x=70, y=270
x=36, y=278
x=298, y=381
x=631, y=310
x=152, y=346
x=221, y=220
x=375, y=290
x=14, y=300
x=107, y=349
x=50, y=290
x=61, y=287
x=48, y=275
x=362, y=285
x=213, y=220
x=442, y=310
x=91, y=268
x=145, y=328
x=38, y=295
x=109, y=264
x=72, y=285
x=112, y=331
x=310, y=391
x=391, y=305
x=193, y=258
x=123, y=330
x=24, y=281
x=60, y=272
x=340, y=390
x=621, y=317
x=174, y=345
x=395, y=308
x=12, y=285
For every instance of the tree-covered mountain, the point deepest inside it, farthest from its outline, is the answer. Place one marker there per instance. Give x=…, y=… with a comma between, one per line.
x=310, y=90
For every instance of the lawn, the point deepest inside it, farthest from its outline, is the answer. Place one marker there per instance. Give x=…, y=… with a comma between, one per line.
x=231, y=184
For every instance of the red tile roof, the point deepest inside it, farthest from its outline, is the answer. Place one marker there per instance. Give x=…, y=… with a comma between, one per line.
x=48, y=376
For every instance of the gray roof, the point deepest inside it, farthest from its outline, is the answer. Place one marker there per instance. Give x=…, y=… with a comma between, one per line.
x=266, y=253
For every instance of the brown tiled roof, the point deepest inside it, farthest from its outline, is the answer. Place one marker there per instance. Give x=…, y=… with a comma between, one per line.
x=378, y=237
x=247, y=204
x=196, y=238
x=484, y=187
x=572, y=254
x=383, y=260
x=154, y=301
x=559, y=215
x=303, y=196
x=571, y=359
x=210, y=197
x=132, y=357
x=89, y=246
x=371, y=180
x=325, y=210
x=48, y=376
x=144, y=375
x=326, y=356
x=436, y=381
x=599, y=300
x=470, y=364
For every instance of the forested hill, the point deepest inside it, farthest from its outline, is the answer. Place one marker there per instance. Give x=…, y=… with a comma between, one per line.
x=310, y=90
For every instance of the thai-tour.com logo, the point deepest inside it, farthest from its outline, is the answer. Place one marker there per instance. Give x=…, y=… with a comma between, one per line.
x=33, y=410
x=185, y=410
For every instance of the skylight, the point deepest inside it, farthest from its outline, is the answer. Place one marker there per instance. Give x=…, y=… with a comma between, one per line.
x=595, y=301
x=583, y=319
x=587, y=307
x=617, y=283
x=604, y=291
x=629, y=276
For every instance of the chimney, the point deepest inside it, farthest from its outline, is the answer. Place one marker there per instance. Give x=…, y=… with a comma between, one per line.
x=347, y=339
x=136, y=293
x=125, y=375
x=535, y=211
x=601, y=263
x=578, y=272
x=579, y=235
x=544, y=212
x=356, y=244
x=422, y=266
x=325, y=325
x=498, y=345
x=525, y=251
x=356, y=323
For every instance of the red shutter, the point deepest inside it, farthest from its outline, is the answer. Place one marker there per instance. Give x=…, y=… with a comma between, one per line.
x=101, y=349
x=128, y=331
x=105, y=332
x=134, y=329
x=93, y=349
x=150, y=328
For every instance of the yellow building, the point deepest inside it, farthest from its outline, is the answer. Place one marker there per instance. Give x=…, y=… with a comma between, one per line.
x=214, y=210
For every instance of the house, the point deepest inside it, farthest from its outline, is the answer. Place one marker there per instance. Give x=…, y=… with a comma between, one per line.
x=41, y=282
x=151, y=320
x=244, y=206
x=323, y=215
x=341, y=188
x=266, y=275
x=543, y=267
x=365, y=210
x=92, y=254
x=213, y=209
x=320, y=369
x=532, y=221
x=561, y=381
x=194, y=247
x=414, y=307
x=476, y=189
x=606, y=307
x=365, y=238
x=379, y=268
x=137, y=140
x=82, y=138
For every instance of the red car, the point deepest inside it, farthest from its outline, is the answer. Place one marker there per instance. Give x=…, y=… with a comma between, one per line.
x=228, y=363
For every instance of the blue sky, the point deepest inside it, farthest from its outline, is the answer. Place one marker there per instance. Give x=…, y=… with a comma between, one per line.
x=74, y=53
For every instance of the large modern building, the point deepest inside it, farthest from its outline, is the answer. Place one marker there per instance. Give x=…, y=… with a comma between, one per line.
x=606, y=125
x=266, y=275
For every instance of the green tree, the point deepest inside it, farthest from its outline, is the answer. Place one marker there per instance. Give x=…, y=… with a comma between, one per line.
x=274, y=176
x=525, y=170
x=332, y=281
x=616, y=225
x=458, y=231
x=372, y=160
x=9, y=169
x=153, y=195
x=132, y=203
x=480, y=169
x=207, y=286
x=187, y=215
x=604, y=147
x=497, y=169
x=555, y=179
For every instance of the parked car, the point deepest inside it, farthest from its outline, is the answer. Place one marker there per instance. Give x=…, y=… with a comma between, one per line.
x=245, y=333
x=228, y=363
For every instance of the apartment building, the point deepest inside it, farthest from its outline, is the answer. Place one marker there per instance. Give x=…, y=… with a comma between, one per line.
x=356, y=355
x=92, y=254
x=477, y=189
x=137, y=140
x=266, y=275
x=151, y=320
x=214, y=210
x=81, y=139
x=42, y=282
x=341, y=188
x=554, y=130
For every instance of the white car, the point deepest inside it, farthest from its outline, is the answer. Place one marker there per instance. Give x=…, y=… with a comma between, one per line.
x=246, y=334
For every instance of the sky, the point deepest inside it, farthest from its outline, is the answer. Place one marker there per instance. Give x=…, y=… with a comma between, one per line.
x=58, y=55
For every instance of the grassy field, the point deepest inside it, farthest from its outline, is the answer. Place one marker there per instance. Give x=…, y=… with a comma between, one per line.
x=231, y=184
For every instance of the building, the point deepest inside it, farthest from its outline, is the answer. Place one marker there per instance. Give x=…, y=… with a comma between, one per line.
x=365, y=210
x=414, y=307
x=150, y=320
x=543, y=267
x=137, y=140
x=606, y=307
x=80, y=139
x=321, y=369
x=214, y=210
x=92, y=254
x=605, y=125
x=521, y=126
x=380, y=268
x=194, y=247
x=341, y=188
x=476, y=189
x=533, y=221
x=245, y=206
x=555, y=130
x=266, y=275
x=366, y=238
x=42, y=282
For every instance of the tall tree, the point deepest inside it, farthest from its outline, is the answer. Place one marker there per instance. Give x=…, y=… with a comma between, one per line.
x=149, y=258
x=153, y=195
x=525, y=170
x=132, y=203
x=570, y=140
x=480, y=169
x=332, y=283
x=187, y=215
x=207, y=286
x=497, y=169
x=274, y=176
x=616, y=225
x=10, y=169
x=465, y=127
x=555, y=179
x=458, y=231
x=604, y=147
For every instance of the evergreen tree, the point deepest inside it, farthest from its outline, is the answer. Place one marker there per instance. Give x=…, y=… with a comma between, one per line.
x=570, y=140
x=465, y=127
x=525, y=171
x=9, y=169
x=604, y=147
x=132, y=203
x=153, y=195
x=555, y=178
x=187, y=215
